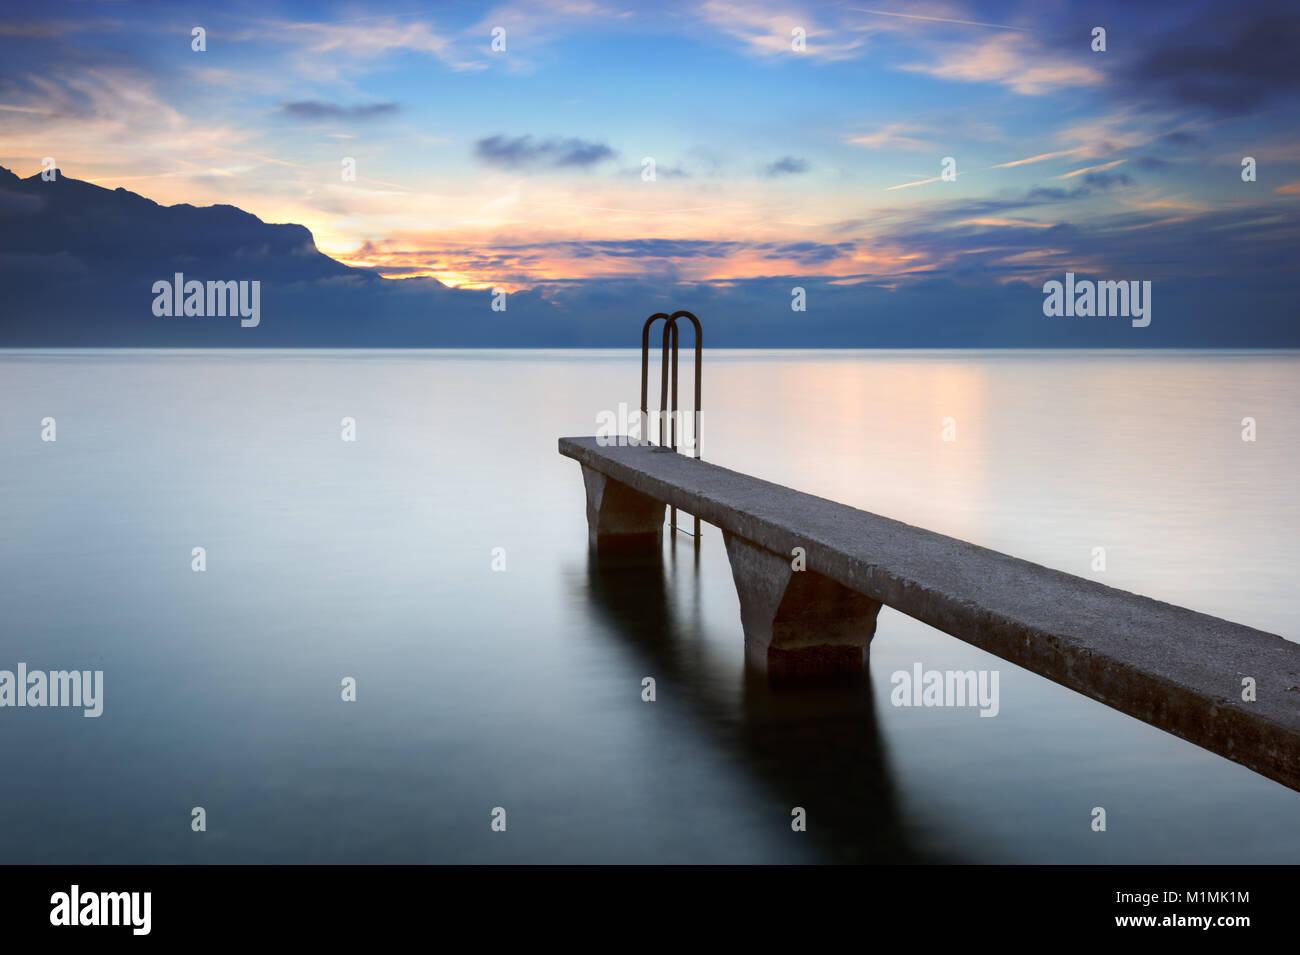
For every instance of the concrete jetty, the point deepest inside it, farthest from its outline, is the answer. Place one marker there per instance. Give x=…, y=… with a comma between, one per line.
x=1171, y=667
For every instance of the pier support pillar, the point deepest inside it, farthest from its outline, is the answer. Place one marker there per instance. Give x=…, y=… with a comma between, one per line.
x=621, y=521
x=799, y=625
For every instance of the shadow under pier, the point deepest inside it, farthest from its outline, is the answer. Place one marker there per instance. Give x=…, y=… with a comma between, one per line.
x=817, y=748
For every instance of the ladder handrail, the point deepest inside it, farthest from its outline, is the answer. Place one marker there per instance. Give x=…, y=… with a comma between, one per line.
x=667, y=378
x=669, y=347
x=699, y=345
x=645, y=378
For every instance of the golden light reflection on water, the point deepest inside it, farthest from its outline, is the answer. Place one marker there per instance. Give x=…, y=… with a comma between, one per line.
x=1054, y=456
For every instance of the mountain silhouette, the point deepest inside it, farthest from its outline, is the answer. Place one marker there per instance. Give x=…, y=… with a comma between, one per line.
x=114, y=229
x=79, y=265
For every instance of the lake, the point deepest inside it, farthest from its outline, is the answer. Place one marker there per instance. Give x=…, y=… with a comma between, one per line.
x=439, y=560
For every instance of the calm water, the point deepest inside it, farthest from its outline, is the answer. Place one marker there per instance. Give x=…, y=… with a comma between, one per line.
x=521, y=689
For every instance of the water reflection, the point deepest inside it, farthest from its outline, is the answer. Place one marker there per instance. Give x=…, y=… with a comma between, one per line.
x=818, y=748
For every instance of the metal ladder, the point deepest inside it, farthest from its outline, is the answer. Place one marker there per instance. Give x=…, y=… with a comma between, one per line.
x=667, y=383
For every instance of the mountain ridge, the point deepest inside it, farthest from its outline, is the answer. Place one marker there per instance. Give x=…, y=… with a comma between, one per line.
x=79, y=263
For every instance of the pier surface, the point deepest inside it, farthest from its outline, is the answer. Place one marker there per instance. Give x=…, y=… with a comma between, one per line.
x=1174, y=668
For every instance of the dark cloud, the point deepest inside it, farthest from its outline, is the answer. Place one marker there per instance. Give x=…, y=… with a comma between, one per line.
x=1229, y=61
x=523, y=151
x=1132, y=244
x=1055, y=194
x=317, y=110
x=808, y=253
x=1092, y=182
x=1152, y=162
x=786, y=166
x=1106, y=180
x=659, y=259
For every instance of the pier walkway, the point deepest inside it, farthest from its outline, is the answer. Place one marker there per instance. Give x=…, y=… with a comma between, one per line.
x=1171, y=667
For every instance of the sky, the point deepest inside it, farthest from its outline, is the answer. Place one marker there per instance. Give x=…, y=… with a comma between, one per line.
x=527, y=166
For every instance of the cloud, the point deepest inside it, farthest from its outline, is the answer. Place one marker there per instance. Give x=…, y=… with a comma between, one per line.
x=915, y=16
x=1056, y=194
x=1041, y=157
x=807, y=253
x=527, y=264
x=103, y=120
x=47, y=29
x=1105, y=180
x=317, y=110
x=786, y=166
x=1095, y=179
x=325, y=44
x=891, y=136
x=1226, y=64
x=533, y=26
x=918, y=182
x=767, y=29
x=979, y=238
x=1107, y=135
x=1091, y=169
x=523, y=151
x=1011, y=60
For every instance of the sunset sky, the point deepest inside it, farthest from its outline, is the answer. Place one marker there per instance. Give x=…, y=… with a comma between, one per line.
x=525, y=166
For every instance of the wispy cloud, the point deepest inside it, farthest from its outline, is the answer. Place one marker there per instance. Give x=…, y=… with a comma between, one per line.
x=1010, y=60
x=918, y=182
x=1041, y=157
x=102, y=119
x=532, y=25
x=954, y=20
x=891, y=136
x=768, y=29
x=1109, y=134
x=1087, y=169
x=260, y=158
x=1002, y=222
x=328, y=46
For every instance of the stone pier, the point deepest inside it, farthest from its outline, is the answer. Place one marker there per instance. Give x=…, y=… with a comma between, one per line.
x=621, y=521
x=800, y=626
x=1229, y=688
